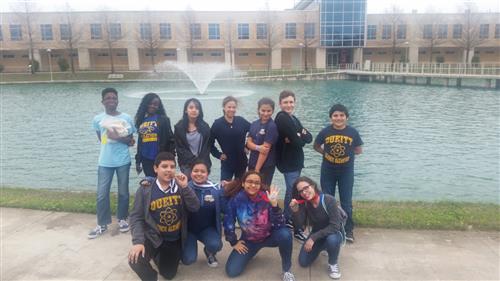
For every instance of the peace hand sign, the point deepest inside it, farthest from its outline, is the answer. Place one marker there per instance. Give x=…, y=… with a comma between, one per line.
x=273, y=195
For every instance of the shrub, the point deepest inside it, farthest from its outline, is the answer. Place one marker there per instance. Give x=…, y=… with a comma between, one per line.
x=439, y=59
x=63, y=64
x=35, y=65
x=1, y=67
x=475, y=59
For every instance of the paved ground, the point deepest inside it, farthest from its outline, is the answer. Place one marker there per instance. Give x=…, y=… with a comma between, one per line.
x=39, y=245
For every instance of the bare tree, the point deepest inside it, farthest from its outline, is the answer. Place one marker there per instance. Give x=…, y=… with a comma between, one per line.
x=110, y=38
x=430, y=33
x=470, y=37
x=72, y=36
x=394, y=20
x=24, y=9
x=188, y=32
x=309, y=37
x=273, y=33
x=229, y=41
x=150, y=39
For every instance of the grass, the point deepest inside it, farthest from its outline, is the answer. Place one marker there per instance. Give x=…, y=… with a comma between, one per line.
x=382, y=214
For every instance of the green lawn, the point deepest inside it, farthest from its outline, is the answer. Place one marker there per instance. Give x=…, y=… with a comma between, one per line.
x=400, y=215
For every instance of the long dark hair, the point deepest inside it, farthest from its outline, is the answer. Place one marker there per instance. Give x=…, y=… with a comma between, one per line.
x=185, y=118
x=295, y=192
x=233, y=187
x=143, y=108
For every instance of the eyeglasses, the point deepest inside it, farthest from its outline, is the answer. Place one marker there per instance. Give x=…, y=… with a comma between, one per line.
x=304, y=189
x=249, y=182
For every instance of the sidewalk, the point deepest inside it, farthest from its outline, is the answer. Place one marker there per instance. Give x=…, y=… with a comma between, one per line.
x=49, y=245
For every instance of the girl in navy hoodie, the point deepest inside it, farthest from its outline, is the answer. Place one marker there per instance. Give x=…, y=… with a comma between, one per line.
x=205, y=224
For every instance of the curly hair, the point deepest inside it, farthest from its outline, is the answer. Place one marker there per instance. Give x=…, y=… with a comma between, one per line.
x=233, y=187
x=312, y=183
x=143, y=108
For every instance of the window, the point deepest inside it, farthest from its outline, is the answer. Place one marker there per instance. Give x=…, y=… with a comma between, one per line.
x=427, y=31
x=213, y=31
x=46, y=31
x=102, y=54
x=484, y=29
x=169, y=54
x=65, y=31
x=497, y=31
x=290, y=31
x=457, y=31
x=120, y=54
x=95, y=31
x=261, y=31
x=443, y=31
x=165, y=31
x=243, y=54
x=197, y=54
x=216, y=54
x=371, y=32
x=309, y=30
x=261, y=54
x=15, y=32
x=195, y=31
x=386, y=31
x=145, y=30
x=8, y=56
x=115, y=31
x=243, y=31
x=401, y=31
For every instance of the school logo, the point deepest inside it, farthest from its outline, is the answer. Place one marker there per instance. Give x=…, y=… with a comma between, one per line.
x=168, y=216
x=337, y=150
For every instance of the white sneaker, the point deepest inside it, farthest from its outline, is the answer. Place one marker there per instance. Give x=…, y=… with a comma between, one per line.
x=334, y=271
x=123, y=225
x=288, y=276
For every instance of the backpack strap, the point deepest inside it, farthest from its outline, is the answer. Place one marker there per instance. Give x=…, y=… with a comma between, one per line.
x=322, y=200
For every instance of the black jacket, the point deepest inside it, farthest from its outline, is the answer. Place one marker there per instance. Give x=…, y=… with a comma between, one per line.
x=289, y=155
x=166, y=140
x=184, y=155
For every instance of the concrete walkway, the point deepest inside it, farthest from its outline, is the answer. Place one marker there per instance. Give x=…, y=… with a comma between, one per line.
x=39, y=245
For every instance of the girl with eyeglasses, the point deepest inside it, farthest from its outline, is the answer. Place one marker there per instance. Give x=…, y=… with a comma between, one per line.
x=261, y=221
x=320, y=210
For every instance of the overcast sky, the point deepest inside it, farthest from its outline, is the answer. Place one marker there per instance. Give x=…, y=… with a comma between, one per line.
x=374, y=6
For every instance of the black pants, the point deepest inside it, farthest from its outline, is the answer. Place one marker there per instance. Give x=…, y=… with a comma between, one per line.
x=166, y=257
x=147, y=167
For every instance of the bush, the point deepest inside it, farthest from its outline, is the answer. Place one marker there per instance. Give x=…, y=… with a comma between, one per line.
x=63, y=64
x=1, y=68
x=35, y=65
x=475, y=59
x=439, y=59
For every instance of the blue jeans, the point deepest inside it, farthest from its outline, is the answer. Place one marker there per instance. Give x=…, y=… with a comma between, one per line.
x=227, y=172
x=104, y=179
x=281, y=238
x=332, y=245
x=290, y=178
x=209, y=237
x=345, y=180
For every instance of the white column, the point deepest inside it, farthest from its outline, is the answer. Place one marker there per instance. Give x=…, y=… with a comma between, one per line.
x=133, y=58
x=276, y=59
x=228, y=56
x=357, y=55
x=471, y=54
x=182, y=55
x=37, y=57
x=83, y=59
x=413, y=54
x=320, y=58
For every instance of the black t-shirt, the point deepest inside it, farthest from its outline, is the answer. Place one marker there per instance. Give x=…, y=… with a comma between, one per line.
x=338, y=146
x=166, y=210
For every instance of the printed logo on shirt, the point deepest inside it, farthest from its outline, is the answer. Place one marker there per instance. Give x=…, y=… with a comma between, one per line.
x=262, y=131
x=337, y=151
x=165, y=202
x=147, y=130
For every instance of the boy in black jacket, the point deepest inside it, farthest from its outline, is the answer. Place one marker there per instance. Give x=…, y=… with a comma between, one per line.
x=159, y=221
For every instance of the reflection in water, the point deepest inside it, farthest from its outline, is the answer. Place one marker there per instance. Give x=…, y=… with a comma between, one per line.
x=421, y=143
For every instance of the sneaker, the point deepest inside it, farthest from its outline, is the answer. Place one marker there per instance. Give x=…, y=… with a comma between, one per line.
x=299, y=235
x=289, y=224
x=211, y=259
x=99, y=230
x=123, y=225
x=349, y=237
x=288, y=276
x=334, y=271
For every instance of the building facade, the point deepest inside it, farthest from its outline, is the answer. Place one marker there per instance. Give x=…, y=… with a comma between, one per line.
x=315, y=34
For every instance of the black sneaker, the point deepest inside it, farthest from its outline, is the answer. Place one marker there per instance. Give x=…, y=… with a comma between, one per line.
x=98, y=231
x=211, y=259
x=299, y=235
x=349, y=237
x=289, y=224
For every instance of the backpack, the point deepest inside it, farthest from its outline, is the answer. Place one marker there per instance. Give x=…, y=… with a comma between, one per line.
x=342, y=215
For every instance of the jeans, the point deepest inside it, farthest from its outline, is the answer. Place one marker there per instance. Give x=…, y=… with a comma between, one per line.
x=227, y=172
x=290, y=178
x=104, y=179
x=332, y=245
x=281, y=238
x=166, y=257
x=267, y=174
x=209, y=237
x=345, y=179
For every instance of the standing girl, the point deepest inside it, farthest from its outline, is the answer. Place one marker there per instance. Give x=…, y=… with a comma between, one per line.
x=230, y=132
x=290, y=156
x=192, y=136
x=261, y=141
x=204, y=225
x=261, y=222
x=154, y=133
x=321, y=212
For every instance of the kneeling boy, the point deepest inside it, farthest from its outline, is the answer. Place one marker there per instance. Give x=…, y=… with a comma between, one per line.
x=159, y=221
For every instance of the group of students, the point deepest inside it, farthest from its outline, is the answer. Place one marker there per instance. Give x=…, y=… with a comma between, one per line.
x=173, y=211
